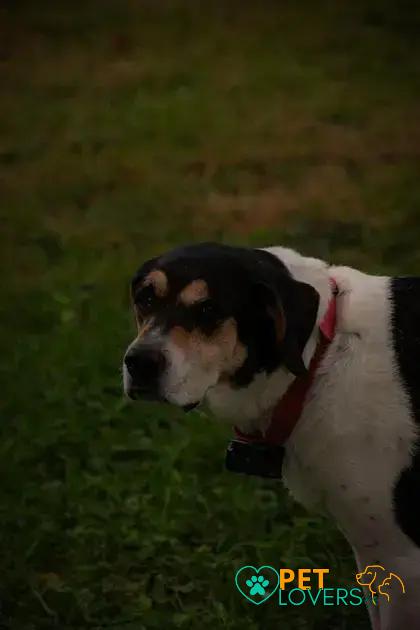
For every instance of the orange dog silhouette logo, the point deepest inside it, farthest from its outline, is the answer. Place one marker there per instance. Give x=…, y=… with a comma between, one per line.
x=378, y=580
x=383, y=588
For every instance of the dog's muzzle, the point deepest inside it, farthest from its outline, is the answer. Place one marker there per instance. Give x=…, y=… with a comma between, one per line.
x=145, y=365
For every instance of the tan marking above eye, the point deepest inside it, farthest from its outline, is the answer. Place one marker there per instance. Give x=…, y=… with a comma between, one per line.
x=159, y=282
x=194, y=292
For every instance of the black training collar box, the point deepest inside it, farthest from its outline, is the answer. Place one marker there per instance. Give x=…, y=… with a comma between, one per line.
x=249, y=458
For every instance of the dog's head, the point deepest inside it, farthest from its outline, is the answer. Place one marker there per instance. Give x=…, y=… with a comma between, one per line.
x=210, y=313
x=369, y=575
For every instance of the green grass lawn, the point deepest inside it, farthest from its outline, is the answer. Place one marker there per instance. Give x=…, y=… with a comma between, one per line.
x=126, y=128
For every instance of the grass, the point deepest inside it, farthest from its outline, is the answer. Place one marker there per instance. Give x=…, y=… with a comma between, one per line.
x=126, y=128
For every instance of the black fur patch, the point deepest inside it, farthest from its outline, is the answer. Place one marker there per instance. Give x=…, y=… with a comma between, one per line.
x=246, y=284
x=405, y=296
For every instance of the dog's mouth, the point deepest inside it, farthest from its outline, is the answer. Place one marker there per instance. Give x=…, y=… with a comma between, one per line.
x=141, y=393
x=138, y=393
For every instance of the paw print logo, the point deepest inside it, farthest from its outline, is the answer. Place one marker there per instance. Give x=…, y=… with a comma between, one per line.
x=257, y=585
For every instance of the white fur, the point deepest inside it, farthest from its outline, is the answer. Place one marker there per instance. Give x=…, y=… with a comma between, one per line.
x=355, y=434
x=187, y=380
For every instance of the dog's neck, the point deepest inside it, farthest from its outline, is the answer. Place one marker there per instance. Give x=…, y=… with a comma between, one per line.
x=249, y=408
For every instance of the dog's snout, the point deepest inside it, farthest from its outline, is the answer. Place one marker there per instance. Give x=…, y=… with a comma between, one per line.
x=145, y=366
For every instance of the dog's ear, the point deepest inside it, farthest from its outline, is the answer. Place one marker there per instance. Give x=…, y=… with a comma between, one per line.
x=293, y=311
x=301, y=310
x=266, y=298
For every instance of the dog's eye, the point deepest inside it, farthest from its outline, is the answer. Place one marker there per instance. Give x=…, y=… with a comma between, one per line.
x=206, y=314
x=145, y=299
x=205, y=309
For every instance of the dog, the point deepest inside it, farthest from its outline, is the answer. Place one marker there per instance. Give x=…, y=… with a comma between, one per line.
x=238, y=329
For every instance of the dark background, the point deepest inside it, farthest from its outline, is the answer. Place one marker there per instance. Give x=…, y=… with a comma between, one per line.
x=126, y=128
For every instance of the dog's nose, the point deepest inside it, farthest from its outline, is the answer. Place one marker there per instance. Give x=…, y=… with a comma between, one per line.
x=358, y=576
x=145, y=366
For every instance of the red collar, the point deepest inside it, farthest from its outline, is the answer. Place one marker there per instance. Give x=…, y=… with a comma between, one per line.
x=289, y=408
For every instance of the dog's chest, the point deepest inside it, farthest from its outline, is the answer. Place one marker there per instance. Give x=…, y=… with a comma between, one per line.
x=355, y=435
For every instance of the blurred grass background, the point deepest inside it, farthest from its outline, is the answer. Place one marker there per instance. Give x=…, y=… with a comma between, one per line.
x=127, y=127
